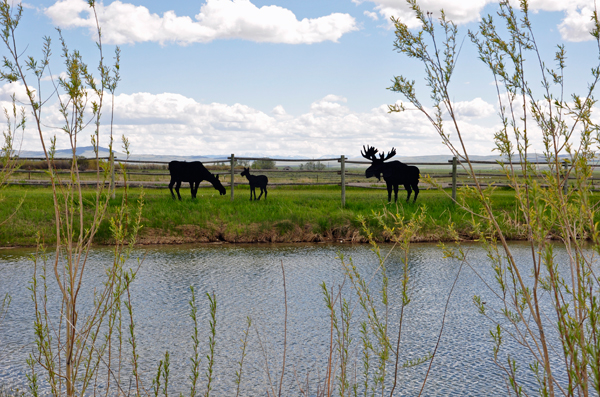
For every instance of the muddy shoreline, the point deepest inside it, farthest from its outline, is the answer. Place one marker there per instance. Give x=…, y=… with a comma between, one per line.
x=187, y=234
x=197, y=236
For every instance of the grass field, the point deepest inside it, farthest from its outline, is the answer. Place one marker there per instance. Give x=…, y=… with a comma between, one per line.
x=290, y=214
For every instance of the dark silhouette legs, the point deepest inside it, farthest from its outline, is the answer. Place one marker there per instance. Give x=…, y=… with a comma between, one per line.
x=171, y=188
x=261, y=193
x=409, y=189
x=391, y=186
x=416, y=189
x=177, y=186
x=194, y=186
x=253, y=192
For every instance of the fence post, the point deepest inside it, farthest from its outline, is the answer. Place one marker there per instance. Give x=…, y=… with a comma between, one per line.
x=566, y=182
x=454, y=167
x=343, y=161
x=232, y=173
x=112, y=174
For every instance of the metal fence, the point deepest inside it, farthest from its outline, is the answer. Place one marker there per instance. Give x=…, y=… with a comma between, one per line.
x=341, y=174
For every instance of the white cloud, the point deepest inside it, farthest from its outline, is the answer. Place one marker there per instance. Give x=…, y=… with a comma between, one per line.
x=575, y=25
x=334, y=98
x=329, y=105
x=372, y=15
x=476, y=108
x=62, y=75
x=218, y=19
x=458, y=11
x=173, y=124
x=17, y=89
x=279, y=111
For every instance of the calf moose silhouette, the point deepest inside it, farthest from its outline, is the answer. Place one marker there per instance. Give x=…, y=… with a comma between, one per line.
x=260, y=181
x=194, y=173
x=394, y=173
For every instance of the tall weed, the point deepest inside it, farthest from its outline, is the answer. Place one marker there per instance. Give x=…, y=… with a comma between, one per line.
x=553, y=199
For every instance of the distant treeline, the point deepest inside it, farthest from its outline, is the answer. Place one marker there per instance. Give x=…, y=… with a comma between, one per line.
x=90, y=164
x=83, y=164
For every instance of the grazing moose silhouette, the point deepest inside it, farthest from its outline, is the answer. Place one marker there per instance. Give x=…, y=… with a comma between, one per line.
x=394, y=173
x=194, y=173
x=256, y=181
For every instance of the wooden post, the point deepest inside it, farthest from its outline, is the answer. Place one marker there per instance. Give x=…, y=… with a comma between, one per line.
x=112, y=174
x=566, y=182
x=454, y=167
x=343, y=162
x=232, y=173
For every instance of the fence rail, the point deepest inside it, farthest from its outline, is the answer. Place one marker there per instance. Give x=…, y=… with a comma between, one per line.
x=332, y=177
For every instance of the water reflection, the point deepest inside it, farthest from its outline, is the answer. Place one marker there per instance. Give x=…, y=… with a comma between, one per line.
x=247, y=281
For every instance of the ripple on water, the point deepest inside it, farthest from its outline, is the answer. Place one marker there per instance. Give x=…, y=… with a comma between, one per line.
x=247, y=281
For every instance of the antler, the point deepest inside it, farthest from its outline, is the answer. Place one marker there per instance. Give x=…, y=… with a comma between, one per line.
x=369, y=153
x=391, y=154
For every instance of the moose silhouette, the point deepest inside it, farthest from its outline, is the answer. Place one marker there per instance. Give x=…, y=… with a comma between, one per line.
x=260, y=181
x=194, y=173
x=394, y=173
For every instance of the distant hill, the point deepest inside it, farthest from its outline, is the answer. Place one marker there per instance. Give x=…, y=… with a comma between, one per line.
x=85, y=151
x=88, y=152
x=446, y=158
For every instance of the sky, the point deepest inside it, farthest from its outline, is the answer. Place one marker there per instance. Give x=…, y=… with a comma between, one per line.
x=277, y=78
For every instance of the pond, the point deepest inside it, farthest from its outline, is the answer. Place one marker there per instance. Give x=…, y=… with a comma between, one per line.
x=247, y=281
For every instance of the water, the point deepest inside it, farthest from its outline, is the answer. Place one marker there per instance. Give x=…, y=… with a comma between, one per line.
x=247, y=281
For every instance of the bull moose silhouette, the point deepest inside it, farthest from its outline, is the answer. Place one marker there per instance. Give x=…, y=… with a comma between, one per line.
x=394, y=173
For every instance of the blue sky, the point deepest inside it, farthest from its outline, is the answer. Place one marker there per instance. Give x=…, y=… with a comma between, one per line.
x=282, y=77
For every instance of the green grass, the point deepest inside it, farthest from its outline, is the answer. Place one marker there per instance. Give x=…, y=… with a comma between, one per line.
x=290, y=214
